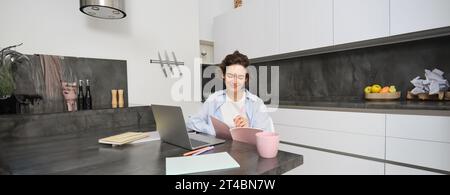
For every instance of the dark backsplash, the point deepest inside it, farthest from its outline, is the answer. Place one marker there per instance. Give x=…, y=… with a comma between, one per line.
x=104, y=75
x=342, y=76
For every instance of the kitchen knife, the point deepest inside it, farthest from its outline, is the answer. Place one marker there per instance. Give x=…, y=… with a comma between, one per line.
x=176, y=63
x=168, y=61
x=162, y=64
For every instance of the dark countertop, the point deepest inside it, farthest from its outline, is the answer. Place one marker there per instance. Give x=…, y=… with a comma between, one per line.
x=80, y=154
x=81, y=112
x=439, y=108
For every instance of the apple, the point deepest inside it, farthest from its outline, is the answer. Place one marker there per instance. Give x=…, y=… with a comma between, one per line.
x=376, y=88
x=368, y=90
x=392, y=89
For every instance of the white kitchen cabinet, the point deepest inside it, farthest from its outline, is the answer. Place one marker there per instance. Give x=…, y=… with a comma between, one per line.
x=324, y=163
x=356, y=20
x=228, y=34
x=418, y=140
x=252, y=29
x=208, y=9
x=417, y=15
x=269, y=27
x=305, y=24
x=347, y=122
x=401, y=170
x=261, y=35
x=428, y=154
x=348, y=132
x=418, y=127
x=364, y=145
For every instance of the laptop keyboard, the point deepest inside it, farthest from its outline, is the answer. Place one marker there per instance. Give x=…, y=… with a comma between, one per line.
x=196, y=143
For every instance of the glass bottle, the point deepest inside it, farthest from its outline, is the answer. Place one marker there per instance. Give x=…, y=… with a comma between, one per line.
x=80, y=97
x=88, y=96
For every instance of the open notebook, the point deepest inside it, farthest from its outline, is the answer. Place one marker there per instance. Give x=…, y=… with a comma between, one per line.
x=223, y=131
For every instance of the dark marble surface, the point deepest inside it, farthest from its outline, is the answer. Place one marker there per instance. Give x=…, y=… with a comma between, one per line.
x=4, y=169
x=342, y=76
x=41, y=125
x=80, y=154
x=103, y=74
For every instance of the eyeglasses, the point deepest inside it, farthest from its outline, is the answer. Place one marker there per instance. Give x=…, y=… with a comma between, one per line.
x=233, y=76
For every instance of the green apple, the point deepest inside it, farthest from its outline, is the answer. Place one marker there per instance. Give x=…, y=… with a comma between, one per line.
x=392, y=89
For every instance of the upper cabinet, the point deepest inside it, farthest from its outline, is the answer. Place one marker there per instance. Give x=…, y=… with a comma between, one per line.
x=356, y=20
x=268, y=27
x=305, y=24
x=208, y=9
x=227, y=34
x=260, y=22
x=417, y=15
x=252, y=29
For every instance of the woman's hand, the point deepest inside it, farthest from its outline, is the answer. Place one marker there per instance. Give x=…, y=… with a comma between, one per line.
x=241, y=121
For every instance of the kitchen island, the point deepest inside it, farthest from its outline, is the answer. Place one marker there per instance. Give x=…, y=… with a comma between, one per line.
x=80, y=154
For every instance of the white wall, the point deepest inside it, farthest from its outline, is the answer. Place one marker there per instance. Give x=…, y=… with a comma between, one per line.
x=208, y=9
x=58, y=27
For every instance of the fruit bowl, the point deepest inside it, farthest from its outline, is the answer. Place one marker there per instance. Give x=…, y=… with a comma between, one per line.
x=383, y=96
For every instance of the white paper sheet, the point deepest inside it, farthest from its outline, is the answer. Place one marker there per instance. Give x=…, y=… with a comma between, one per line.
x=201, y=163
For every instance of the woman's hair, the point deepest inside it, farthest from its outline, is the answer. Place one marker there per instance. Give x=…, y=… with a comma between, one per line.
x=233, y=59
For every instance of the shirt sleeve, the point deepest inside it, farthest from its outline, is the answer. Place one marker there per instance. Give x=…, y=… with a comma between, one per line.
x=261, y=117
x=200, y=122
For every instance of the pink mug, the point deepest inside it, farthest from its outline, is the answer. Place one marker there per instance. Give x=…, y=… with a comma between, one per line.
x=267, y=144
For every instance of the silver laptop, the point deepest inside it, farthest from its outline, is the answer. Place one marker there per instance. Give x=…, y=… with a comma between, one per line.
x=172, y=129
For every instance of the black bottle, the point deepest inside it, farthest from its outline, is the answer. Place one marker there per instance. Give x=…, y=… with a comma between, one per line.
x=88, y=96
x=80, y=97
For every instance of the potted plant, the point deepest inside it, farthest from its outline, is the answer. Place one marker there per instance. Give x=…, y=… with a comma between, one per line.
x=7, y=85
x=6, y=81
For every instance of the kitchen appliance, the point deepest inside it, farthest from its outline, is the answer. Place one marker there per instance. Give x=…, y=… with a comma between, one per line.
x=105, y=9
